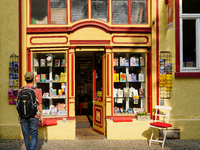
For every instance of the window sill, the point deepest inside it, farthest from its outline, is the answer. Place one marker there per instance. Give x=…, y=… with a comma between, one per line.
x=187, y=74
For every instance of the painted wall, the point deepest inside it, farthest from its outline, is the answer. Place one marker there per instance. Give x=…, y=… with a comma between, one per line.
x=9, y=44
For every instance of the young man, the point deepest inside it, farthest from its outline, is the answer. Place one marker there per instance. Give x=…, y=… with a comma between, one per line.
x=30, y=126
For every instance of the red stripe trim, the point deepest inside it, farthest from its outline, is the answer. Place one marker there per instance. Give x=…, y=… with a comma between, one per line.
x=187, y=74
x=67, y=12
x=48, y=12
x=20, y=43
x=149, y=82
x=157, y=49
x=177, y=28
x=28, y=59
x=112, y=85
x=67, y=83
x=109, y=102
x=37, y=37
x=94, y=77
x=89, y=41
x=129, y=11
x=107, y=62
x=72, y=75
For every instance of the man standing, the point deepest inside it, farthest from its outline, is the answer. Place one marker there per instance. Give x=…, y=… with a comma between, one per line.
x=29, y=123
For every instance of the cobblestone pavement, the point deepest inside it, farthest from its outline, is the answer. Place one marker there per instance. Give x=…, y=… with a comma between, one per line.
x=102, y=145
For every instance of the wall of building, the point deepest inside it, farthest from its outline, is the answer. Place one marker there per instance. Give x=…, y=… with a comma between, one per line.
x=9, y=44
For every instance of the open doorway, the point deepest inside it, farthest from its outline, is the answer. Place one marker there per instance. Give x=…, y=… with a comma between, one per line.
x=84, y=64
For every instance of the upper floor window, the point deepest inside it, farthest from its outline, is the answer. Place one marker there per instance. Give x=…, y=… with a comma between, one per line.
x=100, y=10
x=48, y=12
x=189, y=36
x=129, y=11
x=79, y=10
x=55, y=11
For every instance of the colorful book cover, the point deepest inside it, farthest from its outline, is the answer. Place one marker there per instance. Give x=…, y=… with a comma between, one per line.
x=57, y=63
x=126, y=61
x=42, y=62
x=140, y=77
x=57, y=78
x=37, y=78
x=62, y=77
x=141, y=61
x=126, y=92
x=120, y=93
x=16, y=82
x=132, y=61
x=134, y=77
x=115, y=62
x=63, y=63
x=129, y=79
x=122, y=77
x=35, y=62
x=115, y=92
x=136, y=61
x=141, y=92
x=11, y=82
x=122, y=61
x=116, y=77
x=43, y=78
x=49, y=63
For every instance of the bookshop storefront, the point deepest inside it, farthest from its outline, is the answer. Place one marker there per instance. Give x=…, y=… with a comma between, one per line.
x=89, y=65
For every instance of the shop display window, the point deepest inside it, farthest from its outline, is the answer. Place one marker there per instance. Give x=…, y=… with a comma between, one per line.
x=50, y=77
x=129, y=79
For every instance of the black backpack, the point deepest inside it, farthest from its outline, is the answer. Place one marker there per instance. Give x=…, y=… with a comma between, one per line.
x=26, y=103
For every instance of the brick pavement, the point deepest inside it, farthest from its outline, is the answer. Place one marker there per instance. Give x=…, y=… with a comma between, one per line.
x=102, y=145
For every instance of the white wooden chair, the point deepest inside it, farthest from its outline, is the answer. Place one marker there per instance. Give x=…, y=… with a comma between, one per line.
x=158, y=124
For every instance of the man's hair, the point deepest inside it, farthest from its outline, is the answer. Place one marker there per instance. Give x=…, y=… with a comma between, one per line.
x=29, y=81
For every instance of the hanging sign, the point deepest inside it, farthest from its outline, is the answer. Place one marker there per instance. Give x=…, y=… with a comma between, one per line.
x=170, y=14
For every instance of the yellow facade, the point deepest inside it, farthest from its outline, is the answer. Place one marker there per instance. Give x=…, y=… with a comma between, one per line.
x=185, y=93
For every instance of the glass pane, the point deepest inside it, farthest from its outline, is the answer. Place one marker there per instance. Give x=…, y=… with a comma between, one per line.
x=189, y=43
x=129, y=81
x=138, y=12
x=120, y=11
x=78, y=10
x=100, y=9
x=191, y=6
x=58, y=11
x=38, y=11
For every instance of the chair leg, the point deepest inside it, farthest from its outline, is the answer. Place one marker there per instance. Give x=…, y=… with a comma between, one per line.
x=150, y=139
x=164, y=138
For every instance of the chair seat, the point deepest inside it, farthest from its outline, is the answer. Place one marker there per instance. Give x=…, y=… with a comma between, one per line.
x=161, y=124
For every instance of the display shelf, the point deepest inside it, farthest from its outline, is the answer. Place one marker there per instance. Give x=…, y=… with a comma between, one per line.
x=129, y=82
x=50, y=78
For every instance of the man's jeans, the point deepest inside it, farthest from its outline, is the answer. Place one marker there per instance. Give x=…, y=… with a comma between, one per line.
x=30, y=128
